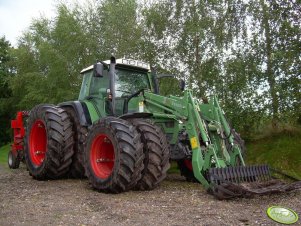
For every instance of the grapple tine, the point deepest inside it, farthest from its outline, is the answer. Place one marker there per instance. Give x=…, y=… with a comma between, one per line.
x=249, y=173
x=223, y=173
x=235, y=175
x=227, y=173
x=266, y=173
x=220, y=174
x=232, y=174
x=238, y=174
x=259, y=174
x=246, y=176
x=253, y=173
x=246, y=181
x=241, y=174
x=215, y=174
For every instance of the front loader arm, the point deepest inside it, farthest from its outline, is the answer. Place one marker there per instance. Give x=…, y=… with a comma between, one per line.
x=207, y=146
x=186, y=110
x=214, y=149
x=196, y=130
x=220, y=117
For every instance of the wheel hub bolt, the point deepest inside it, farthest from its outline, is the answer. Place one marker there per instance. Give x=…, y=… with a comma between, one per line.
x=106, y=140
x=38, y=152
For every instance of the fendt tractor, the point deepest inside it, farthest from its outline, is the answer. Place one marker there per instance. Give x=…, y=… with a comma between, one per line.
x=122, y=134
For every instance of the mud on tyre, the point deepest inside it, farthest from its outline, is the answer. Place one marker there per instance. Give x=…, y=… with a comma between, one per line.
x=113, y=156
x=49, y=142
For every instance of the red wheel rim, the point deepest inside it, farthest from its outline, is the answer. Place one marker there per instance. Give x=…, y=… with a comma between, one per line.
x=38, y=143
x=102, y=156
x=188, y=164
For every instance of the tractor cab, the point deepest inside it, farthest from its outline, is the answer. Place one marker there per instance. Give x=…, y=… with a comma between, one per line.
x=112, y=87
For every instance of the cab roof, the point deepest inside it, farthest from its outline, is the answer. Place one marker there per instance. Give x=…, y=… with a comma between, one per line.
x=126, y=62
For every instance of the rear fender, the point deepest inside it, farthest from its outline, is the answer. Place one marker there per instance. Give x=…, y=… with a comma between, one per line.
x=81, y=111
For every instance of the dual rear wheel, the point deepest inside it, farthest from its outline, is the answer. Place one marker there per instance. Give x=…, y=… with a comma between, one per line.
x=122, y=155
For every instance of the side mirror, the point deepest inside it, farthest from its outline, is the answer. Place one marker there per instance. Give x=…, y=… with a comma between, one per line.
x=98, y=70
x=182, y=85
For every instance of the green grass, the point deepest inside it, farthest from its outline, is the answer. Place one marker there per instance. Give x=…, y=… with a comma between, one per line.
x=281, y=151
x=174, y=168
x=3, y=154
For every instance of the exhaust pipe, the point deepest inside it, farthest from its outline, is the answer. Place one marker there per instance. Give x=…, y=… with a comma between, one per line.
x=112, y=84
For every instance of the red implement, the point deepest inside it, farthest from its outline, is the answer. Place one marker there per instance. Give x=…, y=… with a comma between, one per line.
x=17, y=148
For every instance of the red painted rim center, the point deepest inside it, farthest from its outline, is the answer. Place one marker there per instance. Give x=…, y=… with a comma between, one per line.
x=102, y=156
x=38, y=143
x=188, y=164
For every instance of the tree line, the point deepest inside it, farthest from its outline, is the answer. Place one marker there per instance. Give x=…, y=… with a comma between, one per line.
x=247, y=53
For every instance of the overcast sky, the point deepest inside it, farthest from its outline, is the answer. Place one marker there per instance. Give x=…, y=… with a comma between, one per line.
x=16, y=15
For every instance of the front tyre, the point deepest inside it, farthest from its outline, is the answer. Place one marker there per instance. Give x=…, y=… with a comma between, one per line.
x=157, y=153
x=113, y=155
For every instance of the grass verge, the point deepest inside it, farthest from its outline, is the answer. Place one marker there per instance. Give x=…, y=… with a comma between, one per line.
x=3, y=154
x=281, y=151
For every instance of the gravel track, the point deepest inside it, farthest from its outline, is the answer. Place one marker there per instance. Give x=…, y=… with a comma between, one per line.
x=24, y=201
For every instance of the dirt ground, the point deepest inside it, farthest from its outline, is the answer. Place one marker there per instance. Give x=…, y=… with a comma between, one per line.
x=24, y=201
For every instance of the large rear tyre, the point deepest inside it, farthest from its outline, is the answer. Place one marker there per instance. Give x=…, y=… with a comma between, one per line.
x=77, y=169
x=113, y=155
x=157, y=152
x=49, y=142
x=13, y=161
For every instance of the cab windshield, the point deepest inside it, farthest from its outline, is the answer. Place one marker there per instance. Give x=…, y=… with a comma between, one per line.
x=128, y=82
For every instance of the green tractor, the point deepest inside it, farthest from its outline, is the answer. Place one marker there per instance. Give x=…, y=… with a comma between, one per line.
x=122, y=134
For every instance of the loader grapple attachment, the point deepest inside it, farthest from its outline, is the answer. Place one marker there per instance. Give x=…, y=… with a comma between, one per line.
x=245, y=181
